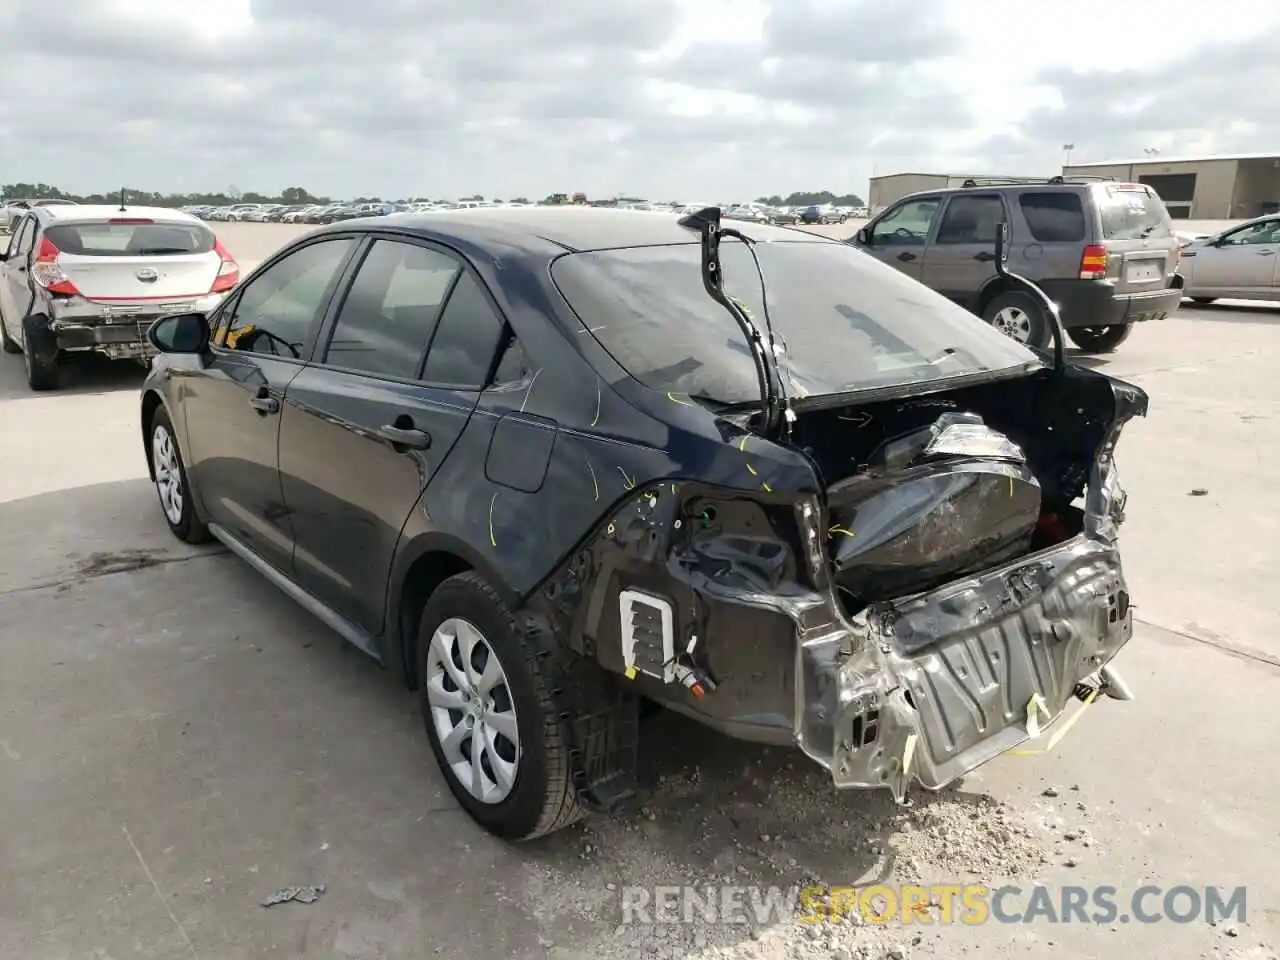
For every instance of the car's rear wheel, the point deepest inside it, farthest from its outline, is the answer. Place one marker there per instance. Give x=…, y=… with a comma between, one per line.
x=1019, y=316
x=490, y=718
x=1100, y=339
x=39, y=354
x=171, y=481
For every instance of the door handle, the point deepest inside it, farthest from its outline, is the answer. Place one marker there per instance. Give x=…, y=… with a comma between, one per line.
x=984, y=257
x=906, y=257
x=265, y=403
x=408, y=437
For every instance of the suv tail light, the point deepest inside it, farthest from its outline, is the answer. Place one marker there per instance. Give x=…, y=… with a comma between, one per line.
x=47, y=271
x=1093, y=262
x=228, y=271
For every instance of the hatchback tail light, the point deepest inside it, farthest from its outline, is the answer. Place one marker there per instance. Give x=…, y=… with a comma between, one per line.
x=228, y=271
x=1093, y=262
x=48, y=272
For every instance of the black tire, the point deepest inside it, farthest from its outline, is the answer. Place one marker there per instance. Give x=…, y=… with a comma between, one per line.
x=542, y=798
x=40, y=354
x=1100, y=339
x=1204, y=299
x=7, y=343
x=187, y=527
x=1026, y=313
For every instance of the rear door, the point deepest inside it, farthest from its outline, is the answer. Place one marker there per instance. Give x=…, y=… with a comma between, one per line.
x=899, y=236
x=15, y=290
x=233, y=404
x=1242, y=261
x=961, y=258
x=1138, y=234
x=137, y=259
x=371, y=420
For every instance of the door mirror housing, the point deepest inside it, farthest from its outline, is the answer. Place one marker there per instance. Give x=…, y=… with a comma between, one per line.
x=180, y=333
x=863, y=236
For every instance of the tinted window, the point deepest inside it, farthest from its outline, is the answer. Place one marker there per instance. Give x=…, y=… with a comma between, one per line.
x=907, y=224
x=1133, y=213
x=387, y=317
x=276, y=309
x=131, y=239
x=971, y=219
x=466, y=340
x=843, y=320
x=1056, y=217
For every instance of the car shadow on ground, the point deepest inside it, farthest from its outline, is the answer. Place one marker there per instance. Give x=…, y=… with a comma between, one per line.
x=1091, y=361
x=85, y=373
x=1238, y=311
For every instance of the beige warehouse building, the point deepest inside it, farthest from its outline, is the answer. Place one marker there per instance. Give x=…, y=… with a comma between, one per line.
x=894, y=186
x=1232, y=187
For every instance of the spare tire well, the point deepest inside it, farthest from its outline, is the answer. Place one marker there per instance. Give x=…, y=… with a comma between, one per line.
x=424, y=575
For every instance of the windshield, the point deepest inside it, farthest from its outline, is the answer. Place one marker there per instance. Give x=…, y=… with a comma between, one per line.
x=1133, y=213
x=131, y=239
x=843, y=321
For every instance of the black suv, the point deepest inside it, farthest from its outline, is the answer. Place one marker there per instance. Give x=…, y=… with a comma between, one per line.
x=1105, y=252
x=543, y=463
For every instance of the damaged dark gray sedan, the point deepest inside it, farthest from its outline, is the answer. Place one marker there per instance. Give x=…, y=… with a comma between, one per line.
x=550, y=464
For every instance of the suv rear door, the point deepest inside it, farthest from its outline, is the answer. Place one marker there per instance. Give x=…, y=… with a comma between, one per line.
x=961, y=258
x=396, y=375
x=1137, y=232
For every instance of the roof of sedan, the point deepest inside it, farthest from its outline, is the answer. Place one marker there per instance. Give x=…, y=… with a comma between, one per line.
x=112, y=211
x=581, y=228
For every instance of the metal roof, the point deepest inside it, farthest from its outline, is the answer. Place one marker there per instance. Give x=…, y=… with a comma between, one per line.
x=571, y=228
x=111, y=211
x=1158, y=159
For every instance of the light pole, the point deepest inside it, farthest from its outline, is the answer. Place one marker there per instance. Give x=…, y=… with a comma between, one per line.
x=1066, y=149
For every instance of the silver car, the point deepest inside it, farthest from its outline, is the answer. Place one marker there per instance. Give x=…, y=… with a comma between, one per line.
x=1242, y=263
x=78, y=279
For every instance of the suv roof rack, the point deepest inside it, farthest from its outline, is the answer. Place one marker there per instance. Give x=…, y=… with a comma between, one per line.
x=1018, y=181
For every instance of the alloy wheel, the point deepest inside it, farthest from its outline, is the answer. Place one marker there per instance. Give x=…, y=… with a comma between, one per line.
x=472, y=711
x=164, y=457
x=1013, y=322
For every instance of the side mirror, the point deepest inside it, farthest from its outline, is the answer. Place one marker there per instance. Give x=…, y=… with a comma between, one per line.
x=863, y=236
x=180, y=333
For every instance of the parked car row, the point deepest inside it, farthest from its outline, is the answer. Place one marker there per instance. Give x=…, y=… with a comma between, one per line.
x=322, y=213
x=517, y=457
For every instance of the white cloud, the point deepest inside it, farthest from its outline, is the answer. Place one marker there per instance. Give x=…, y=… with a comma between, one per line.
x=669, y=98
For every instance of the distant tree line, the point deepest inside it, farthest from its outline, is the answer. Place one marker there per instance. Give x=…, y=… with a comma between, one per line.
x=803, y=199
x=150, y=198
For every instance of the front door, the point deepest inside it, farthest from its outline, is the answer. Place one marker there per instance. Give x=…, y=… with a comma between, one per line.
x=233, y=404
x=369, y=423
x=1243, y=262
x=962, y=257
x=900, y=235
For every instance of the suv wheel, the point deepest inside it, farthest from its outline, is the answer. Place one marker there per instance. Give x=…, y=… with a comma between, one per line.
x=1100, y=339
x=1020, y=316
x=171, y=481
x=39, y=354
x=489, y=714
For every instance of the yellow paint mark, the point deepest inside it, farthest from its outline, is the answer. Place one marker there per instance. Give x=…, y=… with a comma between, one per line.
x=595, y=484
x=674, y=399
x=493, y=541
x=528, y=392
x=631, y=673
x=742, y=445
x=596, y=419
x=752, y=470
x=674, y=488
x=838, y=529
x=767, y=488
x=629, y=481
x=1011, y=487
x=610, y=530
x=1036, y=706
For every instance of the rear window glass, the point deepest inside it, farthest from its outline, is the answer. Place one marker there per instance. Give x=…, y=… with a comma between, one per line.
x=1132, y=214
x=843, y=321
x=1056, y=217
x=131, y=239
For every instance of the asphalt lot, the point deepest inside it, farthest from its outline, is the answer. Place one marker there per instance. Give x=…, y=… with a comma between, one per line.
x=178, y=739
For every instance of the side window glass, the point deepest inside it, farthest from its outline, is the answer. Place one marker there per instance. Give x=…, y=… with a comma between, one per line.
x=469, y=333
x=1257, y=233
x=1053, y=217
x=906, y=225
x=275, y=312
x=513, y=367
x=25, y=238
x=971, y=219
x=386, y=320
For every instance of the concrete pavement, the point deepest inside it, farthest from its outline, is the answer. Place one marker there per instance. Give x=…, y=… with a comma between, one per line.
x=178, y=739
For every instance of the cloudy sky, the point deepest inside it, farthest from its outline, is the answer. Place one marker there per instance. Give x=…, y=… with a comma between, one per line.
x=674, y=99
